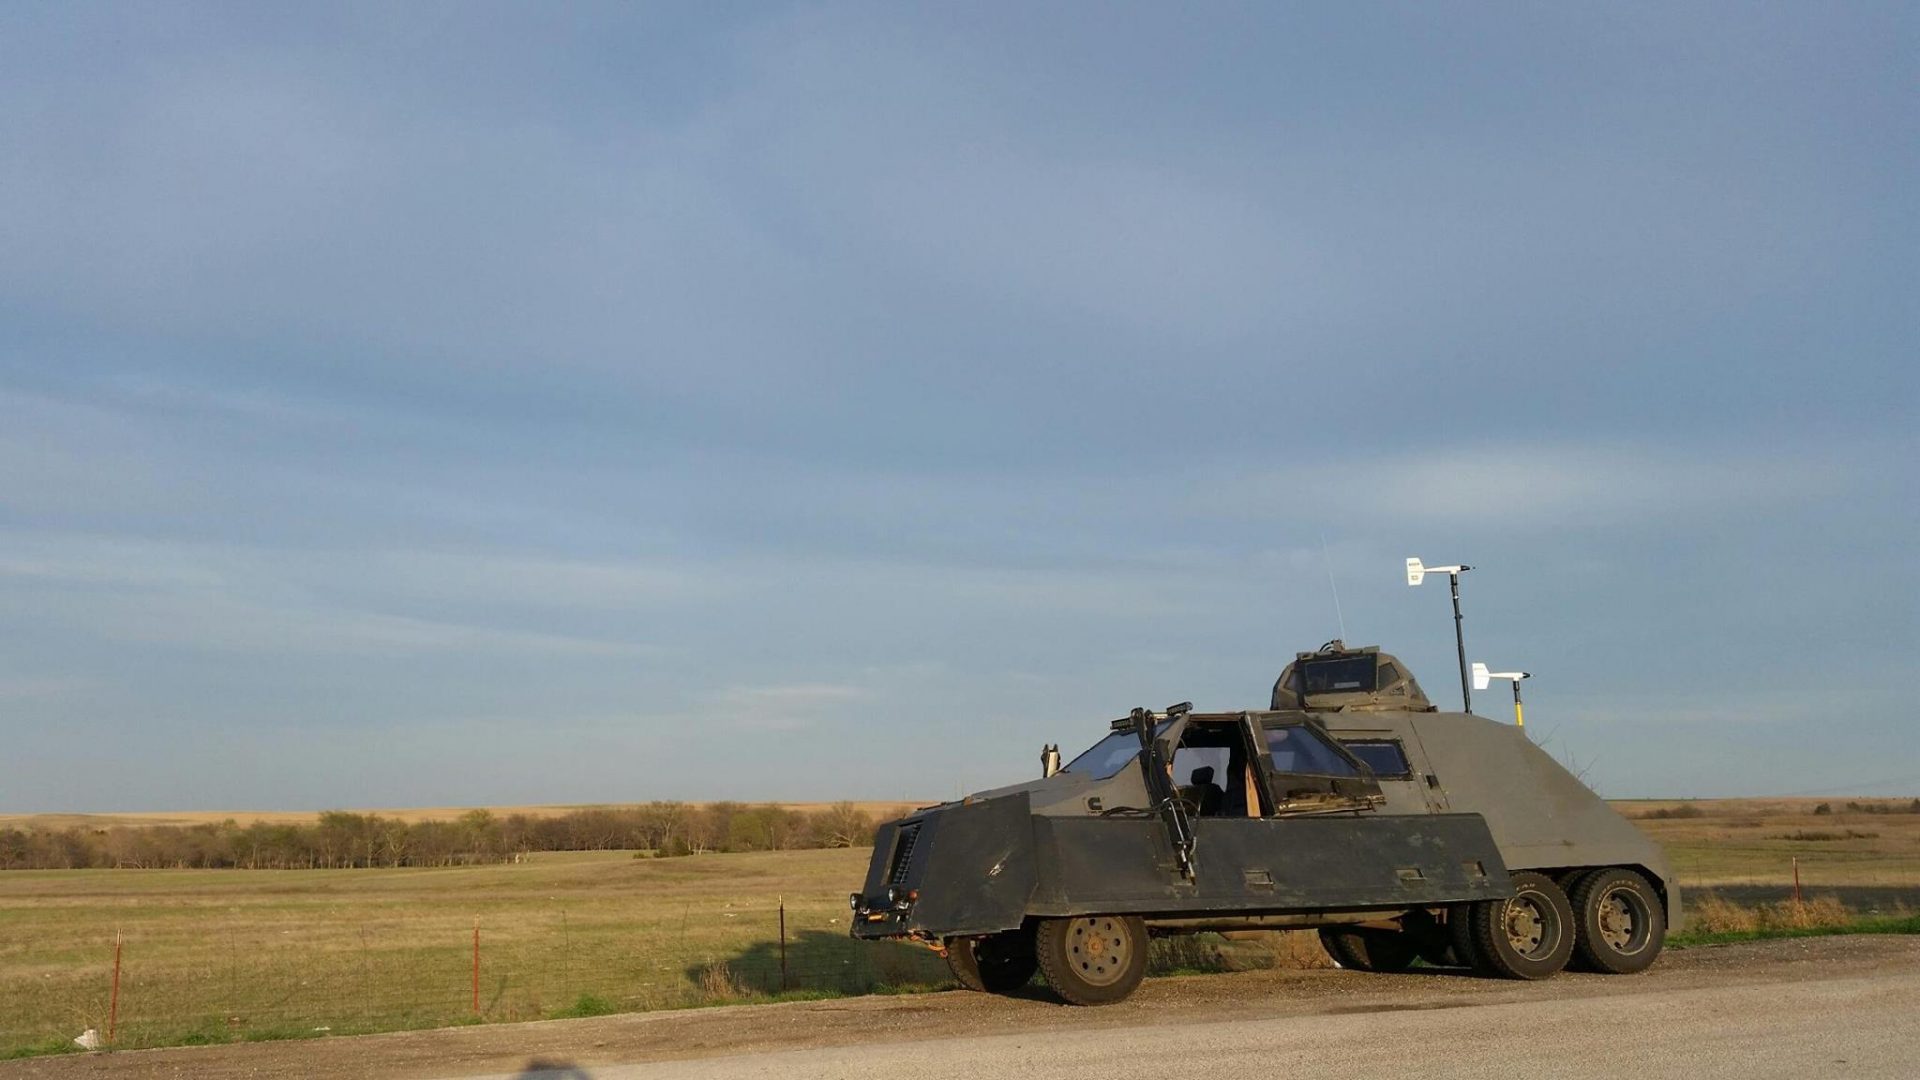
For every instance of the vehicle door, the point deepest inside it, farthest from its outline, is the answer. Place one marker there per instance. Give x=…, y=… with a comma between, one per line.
x=1307, y=771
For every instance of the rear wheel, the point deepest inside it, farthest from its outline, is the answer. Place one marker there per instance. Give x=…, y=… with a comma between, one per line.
x=1093, y=960
x=1357, y=949
x=1619, y=925
x=995, y=964
x=1529, y=935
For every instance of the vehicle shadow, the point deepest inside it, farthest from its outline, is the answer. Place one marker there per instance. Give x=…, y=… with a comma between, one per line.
x=822, y=962
x=544, y=1069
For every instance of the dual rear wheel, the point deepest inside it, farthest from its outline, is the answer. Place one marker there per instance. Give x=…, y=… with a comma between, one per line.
x=1620, y=921
x=1607, y=920
x=1529, y=935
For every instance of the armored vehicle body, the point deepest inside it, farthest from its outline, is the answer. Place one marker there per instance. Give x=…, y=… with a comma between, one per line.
x=1351, y=805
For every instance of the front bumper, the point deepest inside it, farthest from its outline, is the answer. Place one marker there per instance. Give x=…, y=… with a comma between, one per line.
x=883, y=915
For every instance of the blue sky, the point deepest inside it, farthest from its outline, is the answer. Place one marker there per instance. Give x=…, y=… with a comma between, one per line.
x=414, y=405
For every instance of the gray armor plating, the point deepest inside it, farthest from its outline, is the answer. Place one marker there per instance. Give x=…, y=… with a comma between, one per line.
x=1350, y=800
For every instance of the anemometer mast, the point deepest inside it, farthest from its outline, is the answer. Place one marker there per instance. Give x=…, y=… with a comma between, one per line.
x=1416, y=573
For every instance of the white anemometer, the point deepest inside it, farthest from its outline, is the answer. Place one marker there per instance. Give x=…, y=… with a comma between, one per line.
x=1482, y=678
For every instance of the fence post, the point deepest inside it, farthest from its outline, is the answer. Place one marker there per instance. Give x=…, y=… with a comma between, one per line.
x=1796, y=880
x=476, y=965
x=783, y=944
x=113, y=1008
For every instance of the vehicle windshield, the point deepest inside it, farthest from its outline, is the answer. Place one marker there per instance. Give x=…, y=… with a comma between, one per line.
x=1111, y=754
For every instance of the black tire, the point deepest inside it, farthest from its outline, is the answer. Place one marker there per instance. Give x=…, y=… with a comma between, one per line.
x=1459, y=931
x=1381, y=951
x=1342, y=944
x=1529, y=935
x=1619, y=923
x=1431, y=941
x=1092, y=960
x=994, y=964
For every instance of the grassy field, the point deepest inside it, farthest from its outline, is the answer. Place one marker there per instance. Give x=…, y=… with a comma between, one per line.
x=212, y=955
x=224, y=954
x=1740, y=842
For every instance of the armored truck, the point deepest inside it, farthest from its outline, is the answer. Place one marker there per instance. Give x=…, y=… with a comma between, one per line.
x=1351, y=805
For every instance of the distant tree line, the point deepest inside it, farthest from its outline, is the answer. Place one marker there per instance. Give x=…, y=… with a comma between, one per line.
x=338, y=839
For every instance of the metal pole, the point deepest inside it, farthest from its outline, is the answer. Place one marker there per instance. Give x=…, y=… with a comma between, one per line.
x=476, y=965
x=114, y=1007
x=783, y=944
x=1460, y=645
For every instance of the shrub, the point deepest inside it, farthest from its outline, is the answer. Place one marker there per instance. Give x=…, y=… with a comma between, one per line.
x=1684, y=810
x=1820, y=835
x=1186, y=953
x=1822, y=809
x=717, y=982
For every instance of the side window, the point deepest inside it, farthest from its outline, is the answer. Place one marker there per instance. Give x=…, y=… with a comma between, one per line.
x=1298, y=750
x=1386, y=757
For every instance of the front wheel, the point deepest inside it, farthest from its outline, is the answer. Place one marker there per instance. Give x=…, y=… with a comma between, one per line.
x=1093, y=960
x=1368, y=949
x=995, y=964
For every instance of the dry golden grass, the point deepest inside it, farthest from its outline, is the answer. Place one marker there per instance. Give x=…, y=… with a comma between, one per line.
x=1709, y=914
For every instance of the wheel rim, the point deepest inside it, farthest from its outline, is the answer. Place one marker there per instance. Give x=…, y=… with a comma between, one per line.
x=1100, y=950
x=1532, y=929
x=1622, y=920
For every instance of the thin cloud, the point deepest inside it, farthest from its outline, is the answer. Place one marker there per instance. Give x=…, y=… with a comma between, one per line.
x=1548, y=485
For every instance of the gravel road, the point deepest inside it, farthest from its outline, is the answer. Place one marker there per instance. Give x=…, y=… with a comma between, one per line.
x=1839, y=1007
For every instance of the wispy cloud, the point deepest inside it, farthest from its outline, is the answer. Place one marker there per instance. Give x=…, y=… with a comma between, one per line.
x=1546, y=484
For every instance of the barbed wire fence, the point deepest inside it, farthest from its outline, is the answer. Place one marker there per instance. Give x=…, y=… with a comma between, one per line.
x=258, y=982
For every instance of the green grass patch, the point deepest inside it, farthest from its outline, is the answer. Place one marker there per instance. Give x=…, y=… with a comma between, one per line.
x=587, y=1005
x=1904, y=924
x=44, y=1048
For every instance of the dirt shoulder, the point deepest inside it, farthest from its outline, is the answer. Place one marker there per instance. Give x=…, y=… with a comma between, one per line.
x=508, y=1048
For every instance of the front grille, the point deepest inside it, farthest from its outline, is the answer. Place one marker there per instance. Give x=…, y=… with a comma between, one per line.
x=903, y=853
